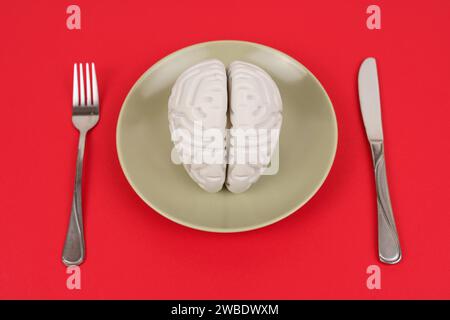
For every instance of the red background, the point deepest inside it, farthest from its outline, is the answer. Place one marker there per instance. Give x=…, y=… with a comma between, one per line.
x=322, y=251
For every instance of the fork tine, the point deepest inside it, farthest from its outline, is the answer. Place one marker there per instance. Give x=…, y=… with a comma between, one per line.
x=82, y=101
x=75, y=98
x=88, y=86
x=94, y=87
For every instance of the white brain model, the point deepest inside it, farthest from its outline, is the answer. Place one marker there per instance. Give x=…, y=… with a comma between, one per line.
x=198, y=118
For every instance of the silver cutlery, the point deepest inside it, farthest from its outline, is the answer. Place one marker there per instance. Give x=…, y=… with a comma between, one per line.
x=389, y=250
x=85, y=115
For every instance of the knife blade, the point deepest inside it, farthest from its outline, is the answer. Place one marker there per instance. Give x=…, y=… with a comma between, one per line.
x=369, y=96
x=389, y=250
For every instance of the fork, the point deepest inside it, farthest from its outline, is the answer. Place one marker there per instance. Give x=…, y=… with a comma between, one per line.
x=85, y=115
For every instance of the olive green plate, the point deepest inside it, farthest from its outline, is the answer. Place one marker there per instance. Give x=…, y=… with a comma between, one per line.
x=308, y=143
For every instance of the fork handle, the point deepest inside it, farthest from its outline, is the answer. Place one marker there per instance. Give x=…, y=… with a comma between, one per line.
x=73, y=253
x=389, y=250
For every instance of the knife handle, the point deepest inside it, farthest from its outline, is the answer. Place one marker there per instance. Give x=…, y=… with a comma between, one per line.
x=389, y=250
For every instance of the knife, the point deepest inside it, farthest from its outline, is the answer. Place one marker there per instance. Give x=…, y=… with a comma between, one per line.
x=389, y=250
